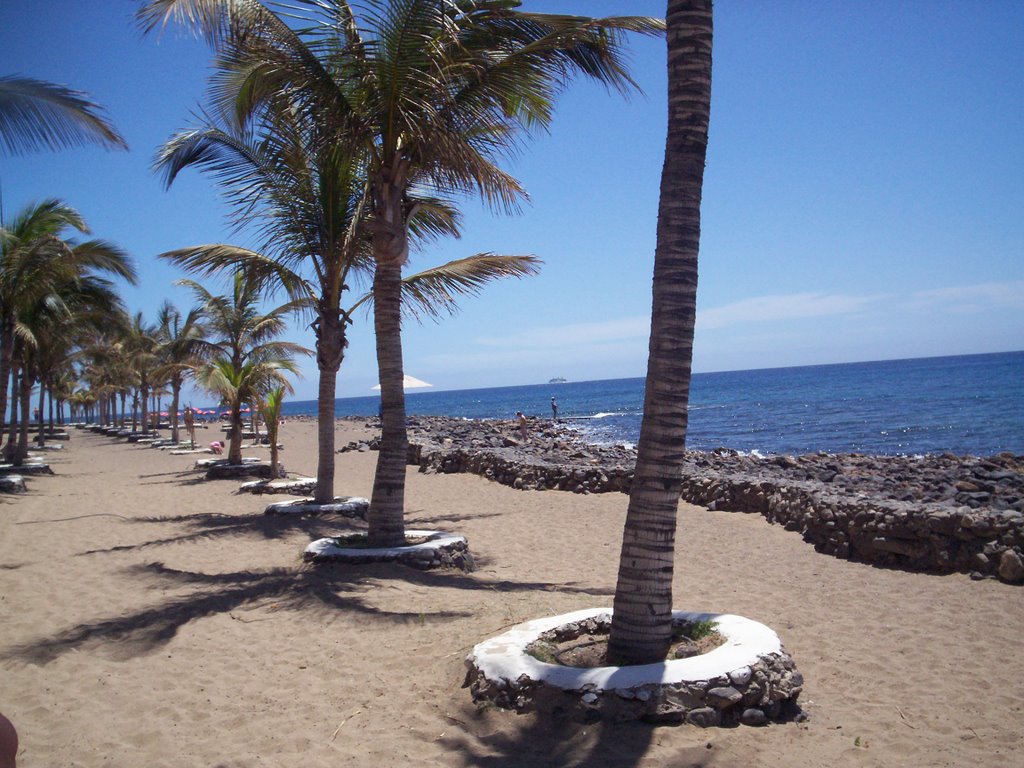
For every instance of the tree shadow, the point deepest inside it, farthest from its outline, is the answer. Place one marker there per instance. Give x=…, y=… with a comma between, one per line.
x=214, y=525
x=149, y=628
x=453, y=518
x=208, y=526
x=176, y=473
x=545, y=739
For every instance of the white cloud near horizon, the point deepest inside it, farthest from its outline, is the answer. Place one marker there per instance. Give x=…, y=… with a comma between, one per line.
x=794, y=306
x=573, y=334
x=760, y=311
x=970, y=298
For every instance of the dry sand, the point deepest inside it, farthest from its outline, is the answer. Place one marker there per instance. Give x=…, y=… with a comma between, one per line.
x=148, y=619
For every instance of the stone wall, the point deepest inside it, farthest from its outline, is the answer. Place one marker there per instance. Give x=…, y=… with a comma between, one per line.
x=936, y=514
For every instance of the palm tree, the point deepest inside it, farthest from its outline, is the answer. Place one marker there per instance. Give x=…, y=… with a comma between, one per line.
x=38, y=265
x=306, y=188
x=141, y=345
x=49, y=333
x=248, y=383
x=432, y=94
x=244, y=353
x=642, y=619
x=180, y=351
x=26, y=270
x=269, y=408
x=35, y=113
x=303, y=193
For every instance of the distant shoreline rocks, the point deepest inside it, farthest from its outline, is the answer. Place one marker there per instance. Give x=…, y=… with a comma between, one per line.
x=936, y=513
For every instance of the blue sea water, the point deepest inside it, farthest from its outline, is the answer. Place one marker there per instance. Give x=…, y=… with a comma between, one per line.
x=972, y=404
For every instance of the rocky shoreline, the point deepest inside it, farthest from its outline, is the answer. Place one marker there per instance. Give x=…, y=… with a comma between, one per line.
x=936, y=513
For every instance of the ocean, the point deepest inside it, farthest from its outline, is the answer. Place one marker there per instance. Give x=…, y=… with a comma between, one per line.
x=971, y=404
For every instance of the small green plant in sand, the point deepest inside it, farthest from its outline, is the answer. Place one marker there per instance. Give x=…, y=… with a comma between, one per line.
x=543, y=651
x=694, y=630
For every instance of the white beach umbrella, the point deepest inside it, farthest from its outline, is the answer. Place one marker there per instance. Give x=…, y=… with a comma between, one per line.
x=409, y=382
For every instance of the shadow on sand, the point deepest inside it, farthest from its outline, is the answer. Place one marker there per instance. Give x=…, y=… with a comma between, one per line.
x=331, y=589
x=144, y=630
x=479, y=740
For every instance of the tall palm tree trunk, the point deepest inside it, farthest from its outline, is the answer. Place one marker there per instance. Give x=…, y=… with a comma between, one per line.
x=6, y=358
x=275, y=470
x=42, y=421
x=21, y=451
x=386, y=516
x=235, y=433
x=642, y=622
x=175, y=394
x=324, y=492
x=144, y=397
x=12, y=427
x=330, y=350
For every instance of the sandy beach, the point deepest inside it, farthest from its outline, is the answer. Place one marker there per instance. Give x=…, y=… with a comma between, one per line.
x=150, y=618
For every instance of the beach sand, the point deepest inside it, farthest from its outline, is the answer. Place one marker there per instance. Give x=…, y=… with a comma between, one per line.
x=151, y=619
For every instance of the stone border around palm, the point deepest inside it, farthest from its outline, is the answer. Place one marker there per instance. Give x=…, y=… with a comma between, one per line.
x=749, y=679
x=440, y=550
x=28, y=468
x=297, y=486
x=246, y=468
x=347, y=506
x=12, y=484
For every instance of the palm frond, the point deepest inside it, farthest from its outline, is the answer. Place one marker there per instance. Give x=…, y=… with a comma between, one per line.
x=216, y=259
x=106, y=257
x=37, y=114
x=433, y=292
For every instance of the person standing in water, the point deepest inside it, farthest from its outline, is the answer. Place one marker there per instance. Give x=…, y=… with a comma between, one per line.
x=554, y=410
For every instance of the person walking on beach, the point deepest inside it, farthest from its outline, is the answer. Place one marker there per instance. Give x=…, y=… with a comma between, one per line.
x=554, y=410
x=190, y=425
x=521, y=419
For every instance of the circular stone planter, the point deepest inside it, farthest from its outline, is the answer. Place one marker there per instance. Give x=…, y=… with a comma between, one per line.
x=245, y=469
x=440, y=550
x=749, y=679
x=299, y=486
x=348, y=506
x=12, y=484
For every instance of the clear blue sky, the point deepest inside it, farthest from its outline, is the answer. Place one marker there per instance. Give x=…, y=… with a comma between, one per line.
x=863, y=200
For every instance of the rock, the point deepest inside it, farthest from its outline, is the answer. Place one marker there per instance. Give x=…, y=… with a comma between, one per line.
x=740, y=676
x=1011, y=567
x=705, y=717
x=685, y=649
x=754, y=717
x=907, y=511
x=723, y=697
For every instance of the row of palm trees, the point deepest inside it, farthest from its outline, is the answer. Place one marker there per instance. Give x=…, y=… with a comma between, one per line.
x=54, y=291
x=227, y=345
x=64, y=328
x=342, y=136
